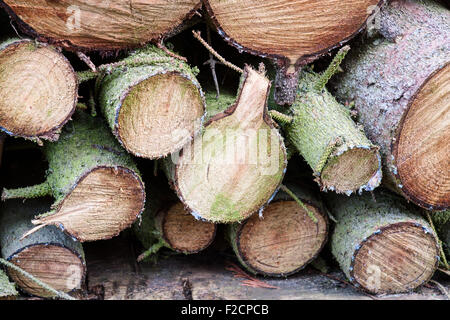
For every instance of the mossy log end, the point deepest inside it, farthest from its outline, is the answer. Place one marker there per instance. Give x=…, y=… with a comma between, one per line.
x=400, y=84
x=153, y=103
x=322, y=130
x=384, y=246
x=100, y=25
x=50, y=255
x=292, y=33
x=165, y=220
x=234, y=167
x=441, y=220
x=285, y=239
x=38, y=90
x=96, y=184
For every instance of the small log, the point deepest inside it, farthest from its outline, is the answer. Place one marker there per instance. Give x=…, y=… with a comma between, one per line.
x=384, y=246
x=166, y=223
x=50, y=255
x=237, y=163
x=96, y=184
x=399, y=83
x=323, y=132
x=100, y=25
x=285, y=239
x=152, y=101
x=38, y=90
x=292, y=33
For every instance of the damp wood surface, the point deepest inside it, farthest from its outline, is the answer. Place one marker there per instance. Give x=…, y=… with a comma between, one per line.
x=113, y=270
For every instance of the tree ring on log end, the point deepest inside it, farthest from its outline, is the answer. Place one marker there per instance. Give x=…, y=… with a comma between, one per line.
x=354, y=169
x=284, y=242
x=103, y=202
x=422, y=148
x=159, y=115
x=38, y=91
x=397, y=258
x=184, y=233
x=55, y=265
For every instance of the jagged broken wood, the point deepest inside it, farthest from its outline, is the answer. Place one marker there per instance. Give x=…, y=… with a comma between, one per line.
x=384, y=246
x=234, y=167
x=152, y=101
x=49, y=255
x=95, y=183
x=38, y=90
x=399, y=83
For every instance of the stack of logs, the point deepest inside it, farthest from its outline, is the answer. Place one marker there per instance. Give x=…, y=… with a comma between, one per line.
x=382, y=122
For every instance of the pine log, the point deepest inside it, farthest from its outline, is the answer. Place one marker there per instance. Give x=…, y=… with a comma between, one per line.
x=384, y=246
x=323, y=132
x=166, y=223
x=399, y=82
x=294, y=33
x=285, y=239
x=49, y=254
x=96, y=184
x=100, y=25
x=38, y=90
x=153, y=102
x=237, y=163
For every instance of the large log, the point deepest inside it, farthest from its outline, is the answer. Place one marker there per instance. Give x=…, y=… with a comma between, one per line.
x=96, y=184
x=38, y=89
x=399, y=82
x=384, y=246
x=100, y=25
x=153, y=102
x=294, y=33
x=49, y=255
x=285, y=239
x=237, y=163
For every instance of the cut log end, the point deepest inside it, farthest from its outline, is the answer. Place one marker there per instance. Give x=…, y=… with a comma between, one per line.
x=399, y=258
x=284, y=241
x=355, y=169
x=38, y=92
x=160, y=115
x=56, y=266
x=422, y=149
x=103, y=203
x=184, y=233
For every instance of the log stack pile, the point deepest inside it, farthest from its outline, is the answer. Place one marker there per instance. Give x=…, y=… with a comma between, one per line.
x=97, y=91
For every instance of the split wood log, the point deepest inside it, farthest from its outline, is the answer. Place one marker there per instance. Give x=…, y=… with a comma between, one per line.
x=49, y=255
x=100, y=25
x=399, y=83
x=38, y=90
x=166, y=223
x=384, y=246
x=96, y=184
x=234, y=167
x=294, y=33
x=152, y=101
x=322, y=130
x=285, y=239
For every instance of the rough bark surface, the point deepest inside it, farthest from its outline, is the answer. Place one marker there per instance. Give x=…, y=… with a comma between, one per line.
x=49, y=254
x=407, y=62
x=384, y=246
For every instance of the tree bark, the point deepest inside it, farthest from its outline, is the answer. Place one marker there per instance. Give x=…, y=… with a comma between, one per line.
x=100, y=25
x=50, y=255
x=285, y=239
x=233, y=168
x=153, y=102
x=342, y=158
x=384, y=246
x=399, y=82
x=96, y=184
x=38, y=90
x=292, y=33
